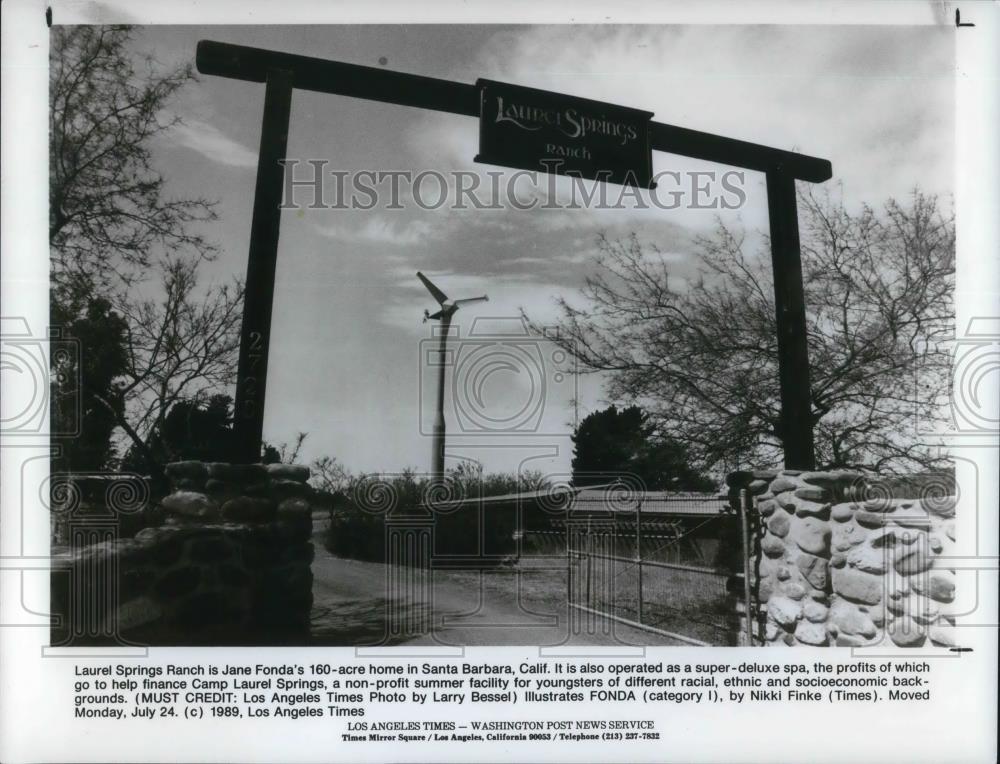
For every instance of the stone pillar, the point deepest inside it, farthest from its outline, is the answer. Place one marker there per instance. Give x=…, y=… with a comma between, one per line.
x=230, y=563
x=840, y=561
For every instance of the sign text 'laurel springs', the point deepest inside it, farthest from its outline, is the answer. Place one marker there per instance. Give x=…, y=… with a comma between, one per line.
x=534, y=129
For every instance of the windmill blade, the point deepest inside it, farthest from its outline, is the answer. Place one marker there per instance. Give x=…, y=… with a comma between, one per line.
x=467, y=300
x=428, y=316
x=437, y=293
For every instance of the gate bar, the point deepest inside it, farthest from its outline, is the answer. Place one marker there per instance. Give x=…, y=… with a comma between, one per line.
x=643, y=626
x=654, y=563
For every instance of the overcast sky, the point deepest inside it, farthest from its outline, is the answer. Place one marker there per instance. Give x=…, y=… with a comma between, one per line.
x=346, y=339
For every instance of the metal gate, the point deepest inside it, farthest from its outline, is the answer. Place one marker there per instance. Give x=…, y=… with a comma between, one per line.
x=669, y=564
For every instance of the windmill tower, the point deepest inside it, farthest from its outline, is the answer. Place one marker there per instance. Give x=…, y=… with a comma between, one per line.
x=444, y=314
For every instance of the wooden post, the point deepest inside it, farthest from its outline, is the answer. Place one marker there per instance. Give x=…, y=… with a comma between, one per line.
x=790, y=312
x=255, y=336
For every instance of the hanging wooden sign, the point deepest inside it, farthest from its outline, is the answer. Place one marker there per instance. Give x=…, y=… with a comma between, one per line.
x=538, y=130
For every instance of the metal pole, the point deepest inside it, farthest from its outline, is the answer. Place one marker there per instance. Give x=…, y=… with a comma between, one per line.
x=745, y=530
x=255, y=336
x=569, y=564
x=636, y=625
x=590, y=566
x=590, y=558
x=638, y=552
x=790, y=312
x=437, y=468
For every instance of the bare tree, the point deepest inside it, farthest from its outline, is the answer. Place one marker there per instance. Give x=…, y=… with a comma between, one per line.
x=285, y=453
x=116, y=237
x=330, y=476
x=108, y=215
x=181, y=346
x=702, y=357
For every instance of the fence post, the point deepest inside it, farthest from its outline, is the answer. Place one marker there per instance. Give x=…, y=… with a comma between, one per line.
x=638, y=553
x=569, y=562
x=590, y=564
x=745, y=500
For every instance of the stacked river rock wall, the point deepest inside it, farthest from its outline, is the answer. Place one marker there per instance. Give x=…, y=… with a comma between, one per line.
x=230, y=562
x=840, y=562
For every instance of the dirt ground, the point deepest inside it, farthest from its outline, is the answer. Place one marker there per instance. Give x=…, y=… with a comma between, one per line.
x=364, y=603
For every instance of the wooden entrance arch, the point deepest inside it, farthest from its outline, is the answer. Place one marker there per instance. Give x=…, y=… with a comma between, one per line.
x=283, y=72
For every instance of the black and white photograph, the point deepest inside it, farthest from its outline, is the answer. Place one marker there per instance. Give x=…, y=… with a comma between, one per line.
x=536, y=364
x=590, y=338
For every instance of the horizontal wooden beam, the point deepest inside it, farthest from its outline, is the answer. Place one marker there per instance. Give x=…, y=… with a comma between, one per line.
x=338, y=78
x=750, y=156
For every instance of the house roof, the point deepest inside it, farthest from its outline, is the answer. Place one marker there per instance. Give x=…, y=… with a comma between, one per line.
x=607, y=498
x=656, y=502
